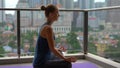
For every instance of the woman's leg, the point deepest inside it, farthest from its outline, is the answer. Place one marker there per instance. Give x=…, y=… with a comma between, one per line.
x=58, y=64
x=53, y=57
x=36, y=67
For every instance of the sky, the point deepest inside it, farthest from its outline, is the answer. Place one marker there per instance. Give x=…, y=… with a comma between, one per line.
x=96, y=0
x=12, y=4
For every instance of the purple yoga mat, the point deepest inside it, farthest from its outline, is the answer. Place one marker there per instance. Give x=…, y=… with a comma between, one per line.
x=84, y=65
x=74, y=65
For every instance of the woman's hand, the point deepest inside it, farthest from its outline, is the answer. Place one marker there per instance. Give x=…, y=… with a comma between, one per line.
x=71, y=59
x=61, y=48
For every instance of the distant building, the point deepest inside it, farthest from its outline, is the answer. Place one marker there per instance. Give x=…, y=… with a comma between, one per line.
x=113, y=16
x=2, y=13
x=25, y=16
x=100, y=14
x=7, y=48
x=82, y=4
x=62, y=3
x=9, y=18
x=34, y=3
x=74, y=22
x=33, y=20
x=64, y=23
x=69, y=4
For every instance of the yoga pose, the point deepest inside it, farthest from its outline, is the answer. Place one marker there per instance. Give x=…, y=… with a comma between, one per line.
x=46, y=43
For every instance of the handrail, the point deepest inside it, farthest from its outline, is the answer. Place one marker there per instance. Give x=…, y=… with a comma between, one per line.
x=104, y=8
x=38, y=9
x=62, y=9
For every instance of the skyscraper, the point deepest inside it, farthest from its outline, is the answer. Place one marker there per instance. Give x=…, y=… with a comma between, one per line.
x=55, y=2
x=25, y=16
x=2, y=13
x=34, y=3
x=100, y=14
x=69, y=4
x=83, y=4
x=46, y=2
x=113, y=16
x=62, y=3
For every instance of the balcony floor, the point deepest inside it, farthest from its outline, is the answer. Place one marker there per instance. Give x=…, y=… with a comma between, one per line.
x=78, y=64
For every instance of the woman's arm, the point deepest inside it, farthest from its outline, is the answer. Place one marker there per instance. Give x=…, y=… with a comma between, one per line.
x=48, y=34
x=51, y=43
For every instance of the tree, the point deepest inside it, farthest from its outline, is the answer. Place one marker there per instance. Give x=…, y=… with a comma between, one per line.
x=72, y=40
x=28, y=37
x=58, y=40
x=101, y=27
x=92, y=48
x=12, y=42
x=76, y=29
x=114, y=52
x=90, y=28
x=2, y=51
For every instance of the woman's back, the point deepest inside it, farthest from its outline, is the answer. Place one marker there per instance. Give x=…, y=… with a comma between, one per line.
x=42, y=51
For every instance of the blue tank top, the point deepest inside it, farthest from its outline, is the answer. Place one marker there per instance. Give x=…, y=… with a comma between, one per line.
x=42, y=51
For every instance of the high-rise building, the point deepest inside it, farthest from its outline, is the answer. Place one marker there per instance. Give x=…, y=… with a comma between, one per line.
x=113, y=16
x=69, y=4
x=80, y=4
x=25, y=16
x=83, y=4
x=46, y=2
x=100, y=14
x=63, y=25
x=37, y=3
x=9, y=18
x=37, y=18
x=55, y=2
x=34, y=14
x=2, y=13
x=34, y=3
x=62, y=3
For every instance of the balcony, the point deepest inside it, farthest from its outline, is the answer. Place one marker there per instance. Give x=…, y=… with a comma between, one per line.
x=93, y=38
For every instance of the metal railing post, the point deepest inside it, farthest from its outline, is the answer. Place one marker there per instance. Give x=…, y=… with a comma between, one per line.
x=85, y=32
x=18, y=32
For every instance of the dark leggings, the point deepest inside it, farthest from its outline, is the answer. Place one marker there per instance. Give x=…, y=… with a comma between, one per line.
x=56, y=64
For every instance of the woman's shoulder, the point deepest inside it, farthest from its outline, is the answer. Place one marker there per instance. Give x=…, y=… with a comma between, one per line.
x=47, y=27
x=46, y=30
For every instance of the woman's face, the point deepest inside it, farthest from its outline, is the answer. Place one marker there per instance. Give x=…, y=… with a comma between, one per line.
x=55, y=15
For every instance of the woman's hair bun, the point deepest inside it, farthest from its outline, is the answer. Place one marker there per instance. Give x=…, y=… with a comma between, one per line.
x=43, y=7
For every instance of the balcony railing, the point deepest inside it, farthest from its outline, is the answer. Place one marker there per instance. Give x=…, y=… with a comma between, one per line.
x=85, y=27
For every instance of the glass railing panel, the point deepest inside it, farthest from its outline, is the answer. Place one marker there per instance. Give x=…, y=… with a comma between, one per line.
x=30, y=22
x=104, y=34
x=68, y=31
x=8, y=35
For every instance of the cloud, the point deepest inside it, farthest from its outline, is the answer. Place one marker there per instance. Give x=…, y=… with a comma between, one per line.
x=99, y=0
x=10, y=4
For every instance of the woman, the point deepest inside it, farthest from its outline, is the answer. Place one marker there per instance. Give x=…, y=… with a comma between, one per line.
x=45, y=43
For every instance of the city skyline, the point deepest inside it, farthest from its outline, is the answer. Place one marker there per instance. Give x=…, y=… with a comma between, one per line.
x=13, y=3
